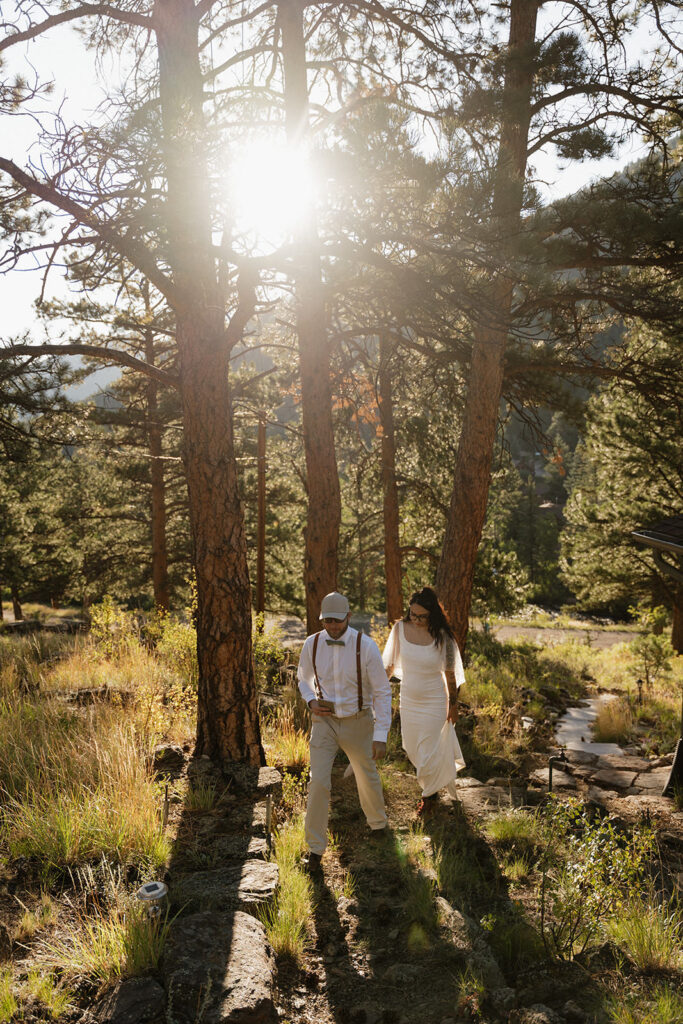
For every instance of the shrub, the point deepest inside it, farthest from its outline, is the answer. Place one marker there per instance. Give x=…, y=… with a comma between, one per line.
x=589, y=868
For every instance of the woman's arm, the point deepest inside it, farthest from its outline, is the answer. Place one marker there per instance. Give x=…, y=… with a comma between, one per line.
x=452, y=696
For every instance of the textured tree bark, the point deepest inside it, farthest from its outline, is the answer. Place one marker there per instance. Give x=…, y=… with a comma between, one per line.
x=227, y=717
x=261, y=517
x=472, y=474
x=16, y=603
x=158, y=484
x=323, y=518
x=392, y=549
x=677, y=625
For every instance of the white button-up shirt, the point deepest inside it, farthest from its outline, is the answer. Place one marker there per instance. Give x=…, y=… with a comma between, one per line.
x=337, y=673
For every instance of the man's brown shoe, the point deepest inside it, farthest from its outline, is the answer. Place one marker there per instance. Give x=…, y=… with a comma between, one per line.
x=313, y=864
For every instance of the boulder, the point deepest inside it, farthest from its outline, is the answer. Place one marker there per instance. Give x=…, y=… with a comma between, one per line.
x=133, y=1001
x=168, y=758
x=218, y=968
x=235, y=885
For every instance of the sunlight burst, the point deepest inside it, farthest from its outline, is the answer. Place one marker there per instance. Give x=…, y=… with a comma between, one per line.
x=271, y=188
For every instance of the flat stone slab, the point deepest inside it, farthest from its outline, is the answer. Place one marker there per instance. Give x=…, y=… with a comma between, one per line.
x=654, y=780
x=232, y=847
x=581, y=757
x=236, y=885
x=218, y=969
x=561, y=780
x=612, y=779
x=468, y=783
x=255, y=782
x=247, y=817
x=480, y=799
x=623, y=764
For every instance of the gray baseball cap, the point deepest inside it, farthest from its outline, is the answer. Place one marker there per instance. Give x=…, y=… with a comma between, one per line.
x=334, y=606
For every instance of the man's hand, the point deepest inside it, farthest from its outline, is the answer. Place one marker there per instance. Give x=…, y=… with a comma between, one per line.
x=317, y=709
x=453, y=711
x=378, y=750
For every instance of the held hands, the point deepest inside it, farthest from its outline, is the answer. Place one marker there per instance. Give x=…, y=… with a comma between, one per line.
x=378, y=750
x=317, y=708
x=452, y=711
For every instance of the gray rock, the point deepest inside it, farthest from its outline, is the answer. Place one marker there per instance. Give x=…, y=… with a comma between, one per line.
x=536, y=1014
x=613, y=779
x=245, y=817
x=401, y=973
x=133, y=1001
x=218, y=968
x=623, y=762
x=236, y=847
x=654, y=780
x=255, y=782
x=661, y=762
x=503, y=999
x=561, y=780
x=466, y=783
x=484, y=965
x=236, y=885
x=483, y=799
x=581, y=757
x=168, y=758
x=462, y=931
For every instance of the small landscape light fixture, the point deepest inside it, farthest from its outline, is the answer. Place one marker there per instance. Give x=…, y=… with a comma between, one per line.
x=151, y=895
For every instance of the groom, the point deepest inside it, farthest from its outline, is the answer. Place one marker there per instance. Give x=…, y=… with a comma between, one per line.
x=344, y=683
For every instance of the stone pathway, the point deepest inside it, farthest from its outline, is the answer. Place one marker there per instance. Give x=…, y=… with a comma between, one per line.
x=218, y=966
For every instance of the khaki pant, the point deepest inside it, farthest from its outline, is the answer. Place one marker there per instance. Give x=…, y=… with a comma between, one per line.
x=353, y=735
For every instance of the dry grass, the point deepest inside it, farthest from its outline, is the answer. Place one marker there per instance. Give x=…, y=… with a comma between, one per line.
x=614, y=723
x=121, y=942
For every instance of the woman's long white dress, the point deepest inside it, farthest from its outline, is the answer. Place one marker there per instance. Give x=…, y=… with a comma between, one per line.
x=428, y=737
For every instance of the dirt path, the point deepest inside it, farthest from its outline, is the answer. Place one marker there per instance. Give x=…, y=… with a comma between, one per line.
x=599, y=638
x=293, y=632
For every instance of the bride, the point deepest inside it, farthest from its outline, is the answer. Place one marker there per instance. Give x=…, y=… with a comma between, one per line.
x=422, y=652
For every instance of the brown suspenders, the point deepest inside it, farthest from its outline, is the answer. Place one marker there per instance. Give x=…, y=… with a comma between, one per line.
x=359, y=678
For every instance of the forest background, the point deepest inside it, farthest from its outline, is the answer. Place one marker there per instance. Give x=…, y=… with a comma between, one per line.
x=453, y=381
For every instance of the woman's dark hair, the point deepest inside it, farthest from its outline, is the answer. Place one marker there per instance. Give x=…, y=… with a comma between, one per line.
x=438, y=623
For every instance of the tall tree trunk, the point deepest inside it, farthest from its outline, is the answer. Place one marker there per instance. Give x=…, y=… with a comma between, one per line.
x=158, y=484
x=392, y=549
x=322, y=479
x=261, y=517
x=16, y=603
x=472, y=475
x=227, y=717
x=677, y=625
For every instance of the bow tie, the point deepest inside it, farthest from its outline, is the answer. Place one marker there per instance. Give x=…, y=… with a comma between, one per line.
x=337, y=643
